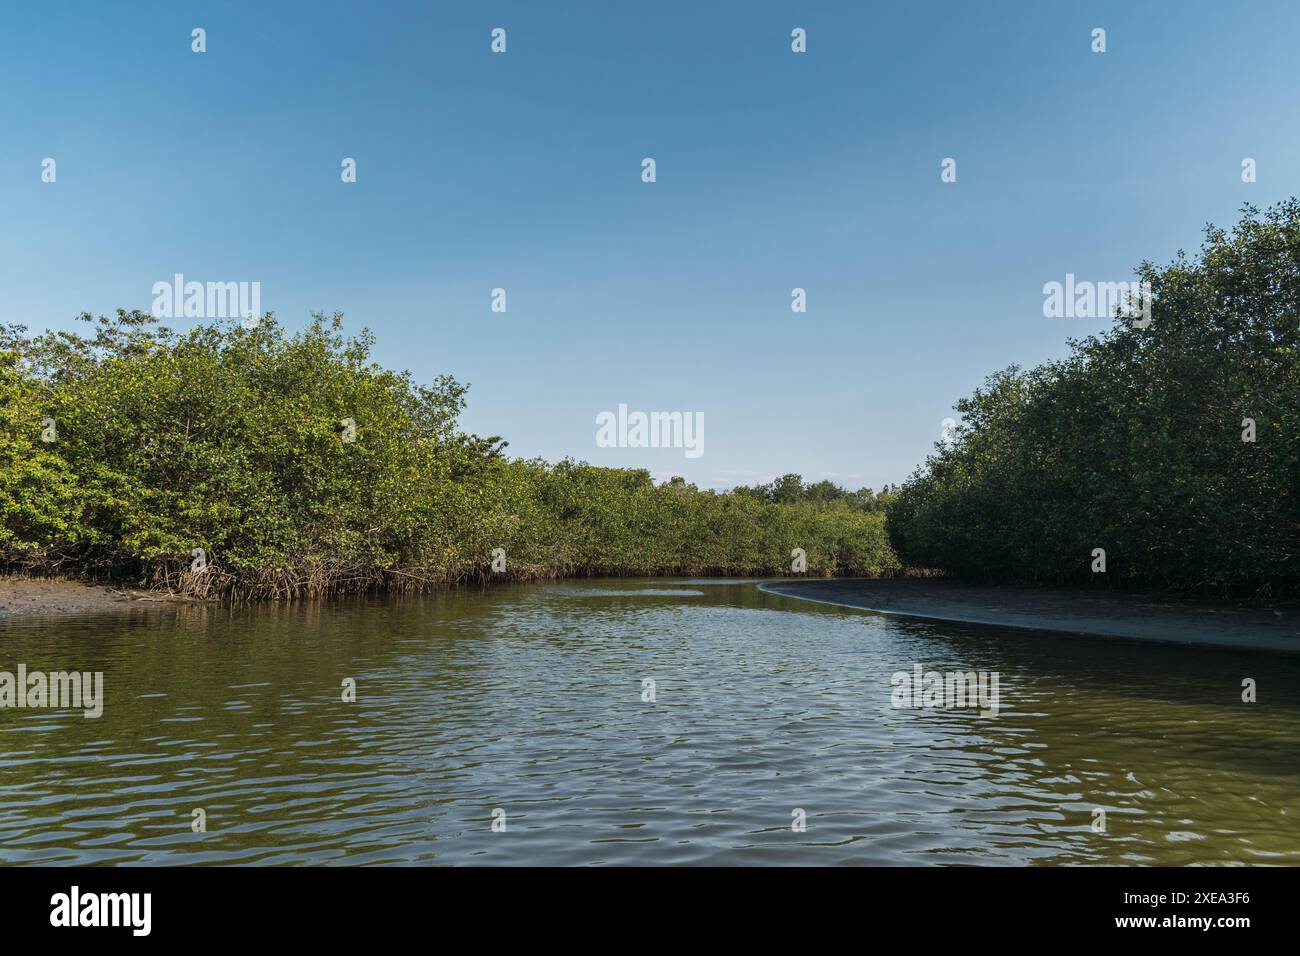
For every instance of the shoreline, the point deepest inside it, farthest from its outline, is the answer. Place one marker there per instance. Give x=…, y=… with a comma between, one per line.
x=1128, y=616
x=26, y=598
x=1141, y=617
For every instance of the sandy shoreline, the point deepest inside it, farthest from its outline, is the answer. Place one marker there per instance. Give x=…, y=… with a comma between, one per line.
x=55, y=597
x=1097, y=613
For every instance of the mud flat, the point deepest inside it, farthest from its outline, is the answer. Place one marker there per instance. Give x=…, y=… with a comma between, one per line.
x=1097, y=613
x=53, y=597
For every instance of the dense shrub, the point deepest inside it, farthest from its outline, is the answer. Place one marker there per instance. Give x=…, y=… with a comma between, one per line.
x=1134, y=443
x=235, y=441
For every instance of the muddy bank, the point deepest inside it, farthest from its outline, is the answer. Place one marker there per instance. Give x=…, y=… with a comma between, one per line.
x=1098, y=613
x=53, y=597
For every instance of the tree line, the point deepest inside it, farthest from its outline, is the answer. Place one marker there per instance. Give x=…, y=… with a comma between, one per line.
x=251, y=462
x=254, y=462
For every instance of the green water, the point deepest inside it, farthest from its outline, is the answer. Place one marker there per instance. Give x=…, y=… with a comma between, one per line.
x=529, y=700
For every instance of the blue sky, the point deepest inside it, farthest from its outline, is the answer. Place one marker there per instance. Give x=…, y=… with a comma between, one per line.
x=775, y=170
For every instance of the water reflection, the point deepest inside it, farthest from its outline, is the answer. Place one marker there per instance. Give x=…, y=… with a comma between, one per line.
x=529, y=699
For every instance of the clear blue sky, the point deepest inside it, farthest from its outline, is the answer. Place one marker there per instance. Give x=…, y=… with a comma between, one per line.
x=522, y=170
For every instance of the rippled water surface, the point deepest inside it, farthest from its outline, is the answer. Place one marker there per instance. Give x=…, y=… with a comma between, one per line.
x=529, y=699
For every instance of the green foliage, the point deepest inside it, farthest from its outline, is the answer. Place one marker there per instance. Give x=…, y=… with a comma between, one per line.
x=1134, y=442
x=791, y=489
x=233, y=440
x=38, y=501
